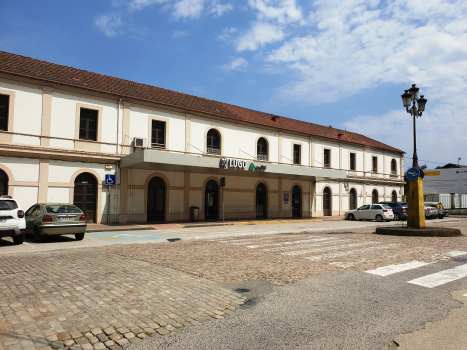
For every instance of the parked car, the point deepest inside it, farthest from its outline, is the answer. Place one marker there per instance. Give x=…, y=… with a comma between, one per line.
x=378, y=212
x=439, y=206
x=399, y=209
x=12, y=223
x=55, y=219
x=430, y=212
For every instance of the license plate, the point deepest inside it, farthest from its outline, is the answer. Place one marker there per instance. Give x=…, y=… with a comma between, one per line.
x=66, y=219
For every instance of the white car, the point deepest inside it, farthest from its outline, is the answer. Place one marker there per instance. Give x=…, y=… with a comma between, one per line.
x=378, y=212
x=12, y=221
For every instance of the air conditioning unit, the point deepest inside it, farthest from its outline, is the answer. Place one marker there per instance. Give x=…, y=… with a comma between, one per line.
x=140, y=142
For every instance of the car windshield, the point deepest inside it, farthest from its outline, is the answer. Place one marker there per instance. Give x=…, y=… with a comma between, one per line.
x=62, y=209
x=8, y=205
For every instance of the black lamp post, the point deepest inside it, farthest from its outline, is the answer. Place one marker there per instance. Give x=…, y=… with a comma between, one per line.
x=409, y=97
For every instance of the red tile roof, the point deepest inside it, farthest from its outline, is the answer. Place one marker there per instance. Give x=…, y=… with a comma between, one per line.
x=54, y=73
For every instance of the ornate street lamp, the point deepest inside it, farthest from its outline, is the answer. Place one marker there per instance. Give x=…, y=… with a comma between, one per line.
x=411, y=96
x=416, y=212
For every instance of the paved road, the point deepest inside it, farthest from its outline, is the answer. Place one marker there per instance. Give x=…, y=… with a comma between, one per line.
x=99, y=239
x=342, y=310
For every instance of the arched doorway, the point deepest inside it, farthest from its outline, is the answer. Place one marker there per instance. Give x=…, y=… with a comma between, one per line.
x=394, y=196
x=353, y=199
x=327, y=202
x=211, y=200
x=374, y=197
x=85, y=195
x=156, y=200
x=296, y=202
x=261, y=201
x=3, y=183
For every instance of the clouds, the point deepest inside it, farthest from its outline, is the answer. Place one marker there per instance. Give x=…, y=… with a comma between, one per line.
x=180, y=10
x=108, y=23
x=236, y=64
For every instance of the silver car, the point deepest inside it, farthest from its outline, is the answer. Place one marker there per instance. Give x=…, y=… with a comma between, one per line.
x=430, y=212
x=12, y=223
x=378, y=212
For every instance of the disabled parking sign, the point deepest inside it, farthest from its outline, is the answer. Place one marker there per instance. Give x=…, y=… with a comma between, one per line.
x=109, y=180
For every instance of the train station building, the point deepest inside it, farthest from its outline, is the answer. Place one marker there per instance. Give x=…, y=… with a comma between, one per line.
x=63, y=131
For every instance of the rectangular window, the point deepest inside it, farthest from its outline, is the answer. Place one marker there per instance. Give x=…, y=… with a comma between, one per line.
x=88, y=124
x=353, y=161
x=296, y=154
x=158, y=134
x=375, y=164
x=4, y=108
x=327, y=158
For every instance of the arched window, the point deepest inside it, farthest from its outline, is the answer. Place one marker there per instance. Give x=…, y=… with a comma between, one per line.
x=3, y=183
x=262, y=149
x=374, y=197
x=213, y=142
x=393, y=167
x=394, y=196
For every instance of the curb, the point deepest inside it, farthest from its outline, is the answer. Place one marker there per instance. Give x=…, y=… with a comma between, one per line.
x=245, y=223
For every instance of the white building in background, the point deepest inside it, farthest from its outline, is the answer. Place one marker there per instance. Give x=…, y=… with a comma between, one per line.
x=62, y=130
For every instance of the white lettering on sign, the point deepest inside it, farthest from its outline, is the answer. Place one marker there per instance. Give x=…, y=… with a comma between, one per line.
x=240, y=164
x=232, y=163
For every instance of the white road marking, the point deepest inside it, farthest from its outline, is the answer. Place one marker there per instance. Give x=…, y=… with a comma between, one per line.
x=306, y=245
x=357, y=251
x=439, y=278
x=465, y=295
x=390, y=269
x=301, y=252
x=289, y=242
x=456, y=253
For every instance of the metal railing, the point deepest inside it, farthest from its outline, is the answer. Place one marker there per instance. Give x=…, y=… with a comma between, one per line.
x=215, y=151
x=262, y=157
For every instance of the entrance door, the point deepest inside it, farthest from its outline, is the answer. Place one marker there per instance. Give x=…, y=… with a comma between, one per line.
x=3, y=183
x=211, y=200
x=156, y=199
x=261, y=201
x=85, y=196
x=296, y=202
x=374, y=197
x=353, y=199
x=327, y=201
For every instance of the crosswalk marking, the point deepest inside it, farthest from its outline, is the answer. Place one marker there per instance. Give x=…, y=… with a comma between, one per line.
x=439, y=278
x=456, y=253
x=301, y=252
x=390, y=269
x=328, y=242
x=289, y=242
x=356, y=251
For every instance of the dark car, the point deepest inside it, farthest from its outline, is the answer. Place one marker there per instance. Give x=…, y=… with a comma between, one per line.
x=399, y=209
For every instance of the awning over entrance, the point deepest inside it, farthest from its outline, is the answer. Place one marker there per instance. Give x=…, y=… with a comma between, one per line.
x=168, y=161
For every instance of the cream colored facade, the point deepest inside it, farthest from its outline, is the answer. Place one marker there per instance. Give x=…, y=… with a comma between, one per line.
x=42, y=155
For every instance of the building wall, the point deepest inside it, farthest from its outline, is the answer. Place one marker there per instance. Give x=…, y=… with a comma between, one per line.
x=49, y=117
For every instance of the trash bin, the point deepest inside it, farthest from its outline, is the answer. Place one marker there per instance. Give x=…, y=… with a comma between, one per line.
x=194, y=213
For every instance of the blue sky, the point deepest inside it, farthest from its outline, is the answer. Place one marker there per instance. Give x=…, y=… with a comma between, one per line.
x=331, y=62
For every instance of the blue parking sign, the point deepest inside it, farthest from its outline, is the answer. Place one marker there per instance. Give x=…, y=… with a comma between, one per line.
x=109, y=180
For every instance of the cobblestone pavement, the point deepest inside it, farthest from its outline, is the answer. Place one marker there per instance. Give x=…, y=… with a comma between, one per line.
x=286, y=258
x=87, y=299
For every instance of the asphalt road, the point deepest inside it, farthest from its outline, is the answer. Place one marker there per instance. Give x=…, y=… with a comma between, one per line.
x=342, y=310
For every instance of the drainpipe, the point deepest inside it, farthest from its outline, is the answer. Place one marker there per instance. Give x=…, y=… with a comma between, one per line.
x=118, y=122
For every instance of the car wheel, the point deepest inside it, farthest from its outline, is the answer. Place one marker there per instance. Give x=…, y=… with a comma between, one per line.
x=79, y=236
x=351, y=217
x=379, y=218
x=397, y=217
x=37, y=236
x=18, y=239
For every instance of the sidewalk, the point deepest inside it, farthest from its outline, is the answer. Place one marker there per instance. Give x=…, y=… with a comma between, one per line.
x=194, y=224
